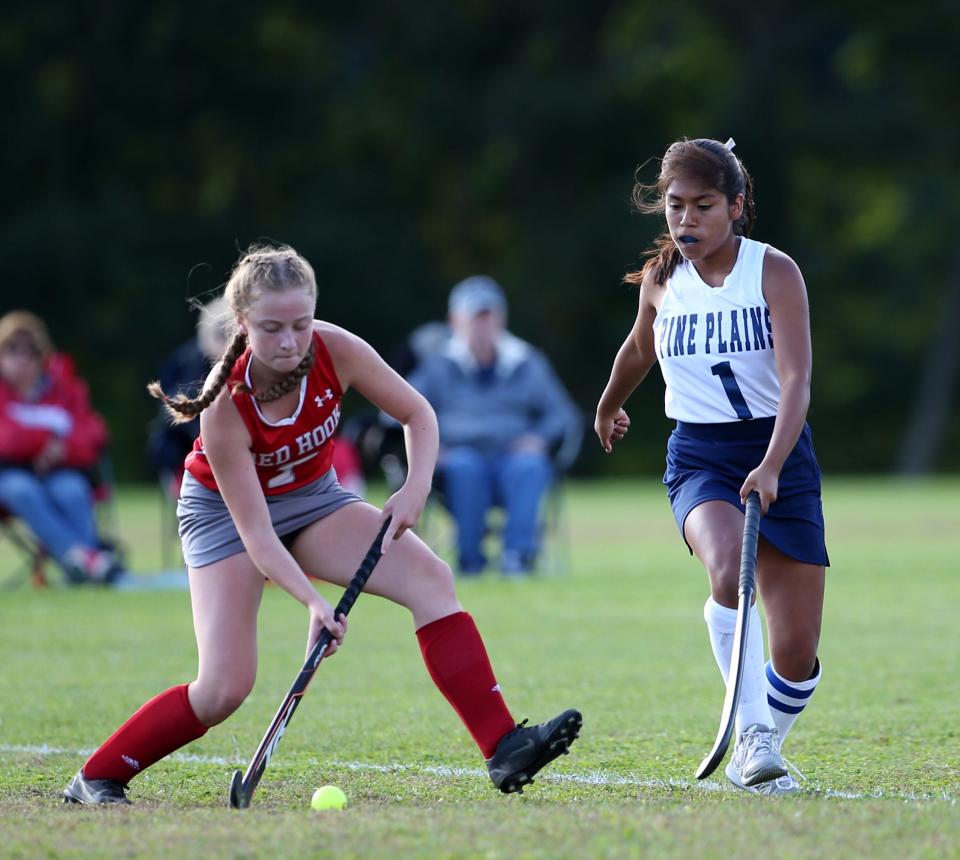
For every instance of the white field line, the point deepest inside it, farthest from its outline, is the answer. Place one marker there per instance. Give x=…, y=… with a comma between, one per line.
x=597, y=777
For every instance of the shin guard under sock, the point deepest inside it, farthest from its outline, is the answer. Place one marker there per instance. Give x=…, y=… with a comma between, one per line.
x=721, y=624
x=458, y=663
x=787, y=699
x=164, y=724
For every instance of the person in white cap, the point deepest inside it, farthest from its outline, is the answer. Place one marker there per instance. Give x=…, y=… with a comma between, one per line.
x=502, y=411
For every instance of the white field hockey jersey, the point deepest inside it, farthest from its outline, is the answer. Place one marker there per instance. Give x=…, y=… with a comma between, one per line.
x=715, y=344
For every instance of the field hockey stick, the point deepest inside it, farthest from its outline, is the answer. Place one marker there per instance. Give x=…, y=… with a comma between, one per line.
x=748, y=580
x=243, y=785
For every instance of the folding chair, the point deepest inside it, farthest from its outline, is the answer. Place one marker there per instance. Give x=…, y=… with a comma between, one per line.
x=552, y=528
x=169, y=484
x=34, y=557
x=167, y=446
x=555, y=527
x=381, y=446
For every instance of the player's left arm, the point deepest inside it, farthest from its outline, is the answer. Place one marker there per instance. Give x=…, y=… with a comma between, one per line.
x=358, y=365
x=786, y=296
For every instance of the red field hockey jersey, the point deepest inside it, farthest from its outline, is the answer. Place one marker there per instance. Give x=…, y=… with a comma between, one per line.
x=295, y=451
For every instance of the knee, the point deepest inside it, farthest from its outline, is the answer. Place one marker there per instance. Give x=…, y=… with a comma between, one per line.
x=214, y=701
x=434, y=585
x=723, y=568
x=438, y=576
x=795, y=657
x=529, y=466
x=71, y=489
x=19, y=487
x=463, y=463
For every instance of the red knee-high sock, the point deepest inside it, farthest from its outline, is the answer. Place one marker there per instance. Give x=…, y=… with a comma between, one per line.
x=162, y=725
x=459, y=665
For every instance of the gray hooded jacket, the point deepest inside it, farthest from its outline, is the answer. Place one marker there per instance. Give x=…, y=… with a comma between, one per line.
x=489, y=411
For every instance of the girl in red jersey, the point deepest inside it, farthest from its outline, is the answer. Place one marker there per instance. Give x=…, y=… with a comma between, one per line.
x=259, y=500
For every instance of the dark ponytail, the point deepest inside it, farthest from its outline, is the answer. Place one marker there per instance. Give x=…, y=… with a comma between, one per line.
x=709, y=162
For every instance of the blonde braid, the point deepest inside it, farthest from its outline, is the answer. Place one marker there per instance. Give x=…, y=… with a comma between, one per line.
x=290, y=381
x=182, y=408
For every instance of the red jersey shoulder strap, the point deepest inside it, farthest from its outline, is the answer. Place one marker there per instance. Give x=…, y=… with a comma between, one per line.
x=325, y=362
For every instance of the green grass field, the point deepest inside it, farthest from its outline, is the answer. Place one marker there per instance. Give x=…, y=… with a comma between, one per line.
x=620, y=636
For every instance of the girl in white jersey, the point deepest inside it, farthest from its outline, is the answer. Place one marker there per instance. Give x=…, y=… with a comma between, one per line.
x=727, y=319
x=260, y=501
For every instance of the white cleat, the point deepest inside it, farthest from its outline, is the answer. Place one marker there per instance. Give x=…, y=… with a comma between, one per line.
x=756, y=757
x=779, y=787
x=782, y=786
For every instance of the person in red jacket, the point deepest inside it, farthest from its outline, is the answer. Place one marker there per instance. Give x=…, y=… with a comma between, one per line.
x=50, y=438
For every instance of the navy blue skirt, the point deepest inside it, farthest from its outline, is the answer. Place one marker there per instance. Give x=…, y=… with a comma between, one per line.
x=708, y=462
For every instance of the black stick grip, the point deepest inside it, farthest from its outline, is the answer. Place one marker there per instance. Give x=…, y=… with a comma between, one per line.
x=360, y=578
x=751, y=534
x=350, y=595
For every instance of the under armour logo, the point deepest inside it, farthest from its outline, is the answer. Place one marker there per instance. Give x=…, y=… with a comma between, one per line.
x=321, y=397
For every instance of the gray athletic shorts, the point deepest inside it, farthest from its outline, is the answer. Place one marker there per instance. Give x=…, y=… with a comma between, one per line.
x=208, y=534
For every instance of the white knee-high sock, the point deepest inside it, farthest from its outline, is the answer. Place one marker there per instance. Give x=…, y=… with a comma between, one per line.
x=721, y=624
x=787, y=699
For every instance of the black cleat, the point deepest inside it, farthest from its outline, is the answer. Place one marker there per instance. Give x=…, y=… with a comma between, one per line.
x=83, y=790
x=522, y=752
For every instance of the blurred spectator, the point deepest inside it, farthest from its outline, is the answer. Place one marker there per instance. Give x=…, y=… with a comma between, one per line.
x=50, y=440
x=348, y=464
x=183, y=372
x=427, y=338
x=502, y=412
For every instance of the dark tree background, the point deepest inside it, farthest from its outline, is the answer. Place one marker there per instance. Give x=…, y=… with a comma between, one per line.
x=402, y=146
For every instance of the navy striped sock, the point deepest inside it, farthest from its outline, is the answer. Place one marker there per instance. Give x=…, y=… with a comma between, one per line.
x=788, y=698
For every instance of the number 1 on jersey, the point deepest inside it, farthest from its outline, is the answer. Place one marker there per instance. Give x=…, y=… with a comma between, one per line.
x=734, y=394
